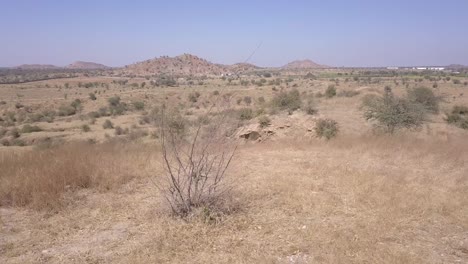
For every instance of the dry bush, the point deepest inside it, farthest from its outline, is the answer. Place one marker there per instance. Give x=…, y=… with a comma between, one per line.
x=327, y=128
x=458, y=116
x=196, y=166
x=331, y=91
x=289, y=101
x=39, y=178
x=425, y=97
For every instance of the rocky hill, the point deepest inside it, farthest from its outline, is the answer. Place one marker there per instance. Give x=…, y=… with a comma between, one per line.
x=302, y=64
x=185, y=64
x=84, y=65
x=242, y=67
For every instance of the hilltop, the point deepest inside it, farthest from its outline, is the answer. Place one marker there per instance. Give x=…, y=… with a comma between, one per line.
x=185, y=64
x=302, y=64
x=87, y=65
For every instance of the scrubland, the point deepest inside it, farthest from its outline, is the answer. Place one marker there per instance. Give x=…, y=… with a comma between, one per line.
x=311, y=180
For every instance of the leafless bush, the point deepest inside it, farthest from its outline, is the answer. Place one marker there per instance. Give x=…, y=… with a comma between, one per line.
x=196, y=165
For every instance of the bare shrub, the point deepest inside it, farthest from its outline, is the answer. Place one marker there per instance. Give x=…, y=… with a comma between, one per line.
x=196, y=167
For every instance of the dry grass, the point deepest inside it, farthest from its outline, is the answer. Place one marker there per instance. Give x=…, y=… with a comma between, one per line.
x=351, y=200
x=40, y=178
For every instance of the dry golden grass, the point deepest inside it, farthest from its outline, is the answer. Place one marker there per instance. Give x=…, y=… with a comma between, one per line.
x=40, y=178
x=359, y=199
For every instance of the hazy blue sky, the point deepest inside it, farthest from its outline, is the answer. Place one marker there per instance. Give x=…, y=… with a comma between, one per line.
x=337, y=33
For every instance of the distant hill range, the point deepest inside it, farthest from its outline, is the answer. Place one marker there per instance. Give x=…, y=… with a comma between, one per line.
x=188, y=64
x=457, y=66
x=303, y=64
x=37, y=67
x=185, y=64
x=84, y=65
x=81, y=65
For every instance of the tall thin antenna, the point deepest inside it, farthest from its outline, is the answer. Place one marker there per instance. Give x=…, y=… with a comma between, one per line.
x=253, y=53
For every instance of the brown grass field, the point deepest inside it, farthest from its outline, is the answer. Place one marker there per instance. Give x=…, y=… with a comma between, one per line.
x=71, y=196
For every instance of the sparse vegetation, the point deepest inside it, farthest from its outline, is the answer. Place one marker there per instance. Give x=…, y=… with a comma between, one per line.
x=264, y=121
x=331, y=91
x=425, y=97
x=107, y=124
x=458, y=116
x=195, y=170
x=246, y=114
x=326, y=128
x=85, y=128
x=289, y=101
x=30, y=129
x=390, y=113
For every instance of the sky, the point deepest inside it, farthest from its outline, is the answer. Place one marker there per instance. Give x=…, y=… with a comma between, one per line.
x=336, y=33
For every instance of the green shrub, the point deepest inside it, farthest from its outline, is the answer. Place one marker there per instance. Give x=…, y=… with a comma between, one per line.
x=85, y=128
x=18, y=142
x=327, y=128
x=116, y=107
x=30, y=129
x=120, y=131
x=14, y=133
x=77, y=105
x=456, y=81
x=290, y=101
x=264, y=121
x=348, y=93
x=391, y=113
x=139, y=105
x=425, y=97
x=66, y=110
x=245, y=114
x=108, y=124
x=309, y=107
x=5, y=142
x=458, y=117
x=94, y=114
x=247, y=100
x=193, y=97
x=331, y=91
x=92, y=96
x=114, y=101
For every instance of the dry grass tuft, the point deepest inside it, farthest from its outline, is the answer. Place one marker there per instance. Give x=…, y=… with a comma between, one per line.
x=40, y=178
